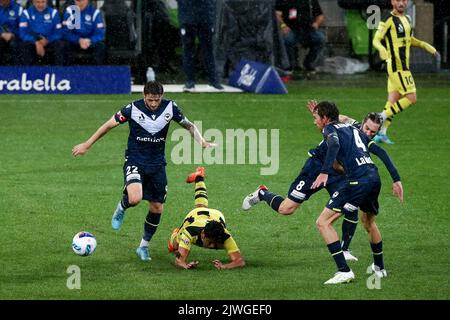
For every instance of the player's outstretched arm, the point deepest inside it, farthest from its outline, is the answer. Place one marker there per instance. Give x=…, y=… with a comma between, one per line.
x=195, y=133
x=424, y=45
x=236, y=262
x=181, y=259
x=82, y=148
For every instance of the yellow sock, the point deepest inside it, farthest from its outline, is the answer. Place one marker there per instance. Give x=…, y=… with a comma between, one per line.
x=201, y=196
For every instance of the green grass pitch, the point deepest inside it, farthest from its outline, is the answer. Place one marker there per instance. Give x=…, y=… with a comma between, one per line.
x=46, y=196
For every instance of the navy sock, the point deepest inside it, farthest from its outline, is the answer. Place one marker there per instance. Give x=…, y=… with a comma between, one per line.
x=338, y=256
x=377, y=250
x=272, y=199
x=150, y=225
x=348, y=229
x=124, y=202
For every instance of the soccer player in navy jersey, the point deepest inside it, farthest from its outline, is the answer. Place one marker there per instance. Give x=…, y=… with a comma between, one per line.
x=144, y=169
x=350, y=148
x=300, y=190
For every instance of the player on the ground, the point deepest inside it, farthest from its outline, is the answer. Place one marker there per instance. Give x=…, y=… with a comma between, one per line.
x=144, y=169
x=396, y=31
x=203, y=227
x=350, y=148
x=300, y=190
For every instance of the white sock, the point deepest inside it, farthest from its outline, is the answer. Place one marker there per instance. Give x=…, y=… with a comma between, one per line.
x=383, y=130
x=144, y=243
x=383, y=115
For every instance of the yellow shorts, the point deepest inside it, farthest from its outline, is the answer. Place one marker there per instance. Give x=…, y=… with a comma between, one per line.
x=401, y=81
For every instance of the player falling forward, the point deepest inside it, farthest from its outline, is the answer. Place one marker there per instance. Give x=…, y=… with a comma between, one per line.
x=203, y=227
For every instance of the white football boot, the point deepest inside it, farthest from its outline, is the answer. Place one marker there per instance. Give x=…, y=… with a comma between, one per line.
x=341, y=277
x=252, y=198
x=380, y=273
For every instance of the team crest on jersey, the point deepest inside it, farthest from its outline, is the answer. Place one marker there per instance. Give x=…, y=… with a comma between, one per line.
x=167, y=117
x=400, y=28
x=88, y=17
x=12, y=13
x=47, y=16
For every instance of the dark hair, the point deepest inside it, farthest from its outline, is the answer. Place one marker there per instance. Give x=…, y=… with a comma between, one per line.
x=327, y=109
x=375, y=117
x=215, y=232
x=153, y=87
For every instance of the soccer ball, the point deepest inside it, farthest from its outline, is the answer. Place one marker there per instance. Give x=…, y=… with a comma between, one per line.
x=84, y=243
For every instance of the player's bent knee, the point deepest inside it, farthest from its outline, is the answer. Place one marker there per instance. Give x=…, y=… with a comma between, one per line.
x=134, y=200
x=288, y=207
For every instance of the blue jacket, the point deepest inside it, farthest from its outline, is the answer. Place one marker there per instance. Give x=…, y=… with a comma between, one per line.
x=9, y=18
x=196, y=11
x=90, y=23
x=35, y=24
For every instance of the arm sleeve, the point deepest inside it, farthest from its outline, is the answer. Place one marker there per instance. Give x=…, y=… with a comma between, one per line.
x=124, y=114
x=99, y=28
x=178, y=115
x=332, y=140
x=379, y=35
x=382, y=154
x=24, y=28
x=230, y=245
x=422, y=44
x=56, y=33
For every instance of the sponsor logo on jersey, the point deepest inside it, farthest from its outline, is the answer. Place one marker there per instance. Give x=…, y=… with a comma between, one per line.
x=150, y=139
x=48, y=83
x=335, y=194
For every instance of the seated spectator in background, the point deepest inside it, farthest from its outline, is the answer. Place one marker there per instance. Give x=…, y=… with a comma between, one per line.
x=10, y=12
x=88, y=36
x=40, y=31
x=299, y=21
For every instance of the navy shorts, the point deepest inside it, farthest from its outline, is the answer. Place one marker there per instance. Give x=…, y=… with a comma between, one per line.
x=152, y=178
x=359, y=193
x=300, y=190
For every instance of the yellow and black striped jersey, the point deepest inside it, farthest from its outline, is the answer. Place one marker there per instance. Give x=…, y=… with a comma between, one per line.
x=193, y=225
x=396, y=32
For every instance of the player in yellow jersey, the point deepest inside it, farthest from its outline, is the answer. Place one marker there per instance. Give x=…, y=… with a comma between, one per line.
x=396, y=32
x=203, y=227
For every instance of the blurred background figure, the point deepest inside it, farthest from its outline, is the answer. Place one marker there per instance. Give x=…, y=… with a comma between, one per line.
x=197, y=20
x=299, y=21
x=86, y=34
x=40, y=31
x=10, y=13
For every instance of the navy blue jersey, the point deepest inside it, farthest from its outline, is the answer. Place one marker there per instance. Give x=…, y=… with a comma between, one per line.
x=148, y=130
x=350, y=147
